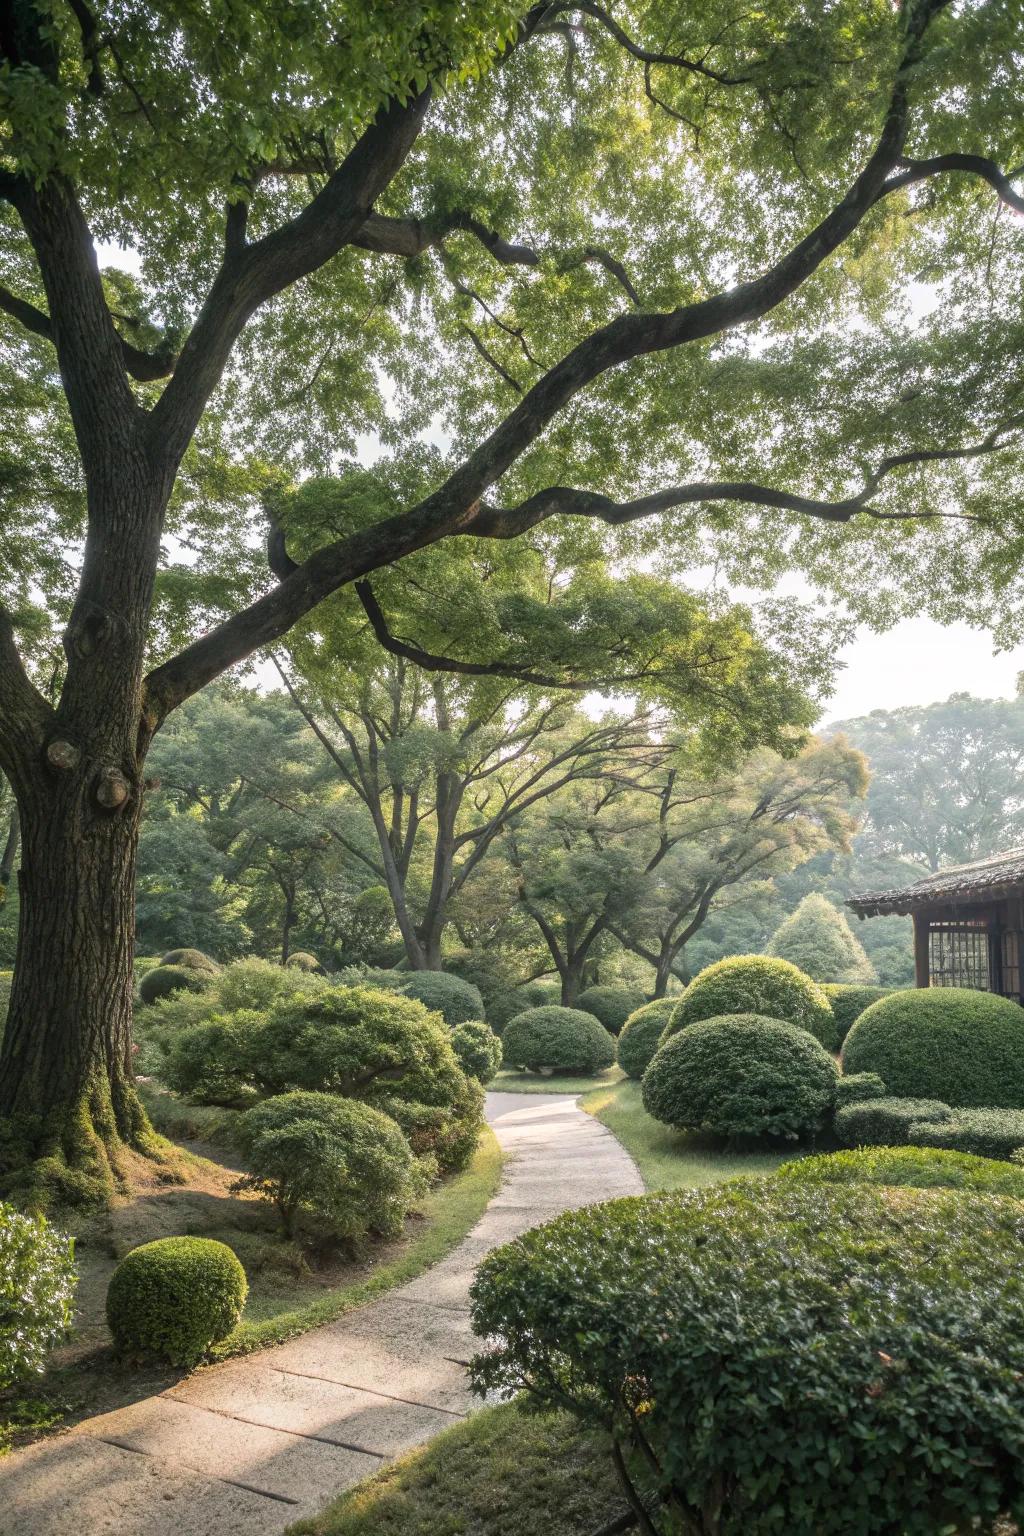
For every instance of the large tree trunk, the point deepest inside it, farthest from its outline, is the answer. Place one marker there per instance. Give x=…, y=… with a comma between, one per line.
x=67, y=1094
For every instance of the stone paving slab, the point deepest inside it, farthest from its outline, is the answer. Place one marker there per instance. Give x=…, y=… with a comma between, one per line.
x=249, y=1446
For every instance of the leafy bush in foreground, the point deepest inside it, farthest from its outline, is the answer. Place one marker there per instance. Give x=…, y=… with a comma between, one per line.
x=344, y=1164
x=793, y=1361
x=561, y=1039
x=170, y=1300
x=37, y=1285
x=947, y=1043
x=477, y=1048
x=742, y=1076
x=611, y=1006
x=774, y=989
x=918, y=1167
x=641, y=1035
x=886, y=1122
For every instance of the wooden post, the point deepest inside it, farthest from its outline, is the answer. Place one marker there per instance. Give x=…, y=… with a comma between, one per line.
x=921, y=925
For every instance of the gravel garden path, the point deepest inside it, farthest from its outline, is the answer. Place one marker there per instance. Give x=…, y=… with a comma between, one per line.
x=245, y=1448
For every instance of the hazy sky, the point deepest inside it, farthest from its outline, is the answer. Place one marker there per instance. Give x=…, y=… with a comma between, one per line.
x=919, y=662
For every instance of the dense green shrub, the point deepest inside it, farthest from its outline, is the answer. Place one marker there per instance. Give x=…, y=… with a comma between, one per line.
x=835, y=1361
x=560, y=1039
x=773, y=989
x=477, y=1049
x=37, y=1285
x=946, y=1043
x=258, y=984
x=443, y=1136
x=345, y=1165
x=544, y=993
x=849, y=1002
x=494, y=973
x=172, y=1299
x=505, y=1006
x=858, y=1087
x=817, y=938
x=302, y=961
x=191, y=959
x=985, y=1132
x=917, y=1167
x=641, y=1035
x=454, y=999
x=164, y=980
x=211, y=1063
x=886, y=1122
x=611, y=1006
x=742, y=1075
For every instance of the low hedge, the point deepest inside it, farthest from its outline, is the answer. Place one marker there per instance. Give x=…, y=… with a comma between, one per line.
x=742, y=1075
x=454, y=999
x=641, y=1035
x=986, y=1132
x=947, y=1043
x=560, y=1039
x=611, y=1006
x=915, y=1167
x=858, y=1087
x=849, y=1001
x=172, y=1299
x=783, y=1359
x=37, y=1287
x=756, y=984
x=886, y=1122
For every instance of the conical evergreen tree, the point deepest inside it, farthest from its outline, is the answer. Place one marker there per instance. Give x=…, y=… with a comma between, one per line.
x=817, y=938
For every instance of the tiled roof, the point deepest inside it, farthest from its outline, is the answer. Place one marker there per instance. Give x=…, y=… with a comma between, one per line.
x=1000, y=874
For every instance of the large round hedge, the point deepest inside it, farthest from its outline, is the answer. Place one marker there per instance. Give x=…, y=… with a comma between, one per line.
x=37, y=1285
x=948, y=1043
x=801, y=1360
x=170, y=1300
x=641, y=1035
x=775, y=989
x=165, y=980
x=914, y=1167
x=742, y=1075
x=560, y=1039
x=302, y=960
x=611, y=1006
x=454, y=999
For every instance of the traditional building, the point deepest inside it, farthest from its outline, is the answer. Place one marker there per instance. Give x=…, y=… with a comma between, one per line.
x=968, y=923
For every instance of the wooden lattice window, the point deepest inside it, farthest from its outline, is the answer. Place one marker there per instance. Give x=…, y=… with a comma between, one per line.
x=958, y=956
x=1010, y=948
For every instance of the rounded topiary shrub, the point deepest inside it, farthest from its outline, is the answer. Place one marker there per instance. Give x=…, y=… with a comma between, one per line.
x=611, y=1006
x=344, y=1165
x=478, y=1049
x=849, y=1002
x=835, y=1361
x=774, y=989
x=37, y=1286
x=165, y=980
x=948, y=1043
x=302, y=961
x=742, y=1076
x=191, y=959
x=641, y=1035
x=172, y=1299
x=916, y=1167
x=558, y=1039
x=505, y=1006
x=454, y=999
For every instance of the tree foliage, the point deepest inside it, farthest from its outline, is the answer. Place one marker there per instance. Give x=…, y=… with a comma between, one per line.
x=817, y=938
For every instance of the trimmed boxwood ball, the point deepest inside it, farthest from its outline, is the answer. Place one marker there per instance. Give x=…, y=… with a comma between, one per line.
x=641, y=1035
x=302, y=961
x=191, y=959
x=172, y=1299
x=561, y=1039
x=454, y=999
x=949, y=1043
x=165, y=980
x=742, y=1075
x=849, y=1002
x=773, y=989
x=826, y=1360
x=916, y=1167
x=37, y=1285
x=611, y=1006
x=478, y=1049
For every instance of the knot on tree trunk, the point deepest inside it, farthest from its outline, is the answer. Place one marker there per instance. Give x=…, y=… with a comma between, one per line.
x=63, y=755
x=113, y=789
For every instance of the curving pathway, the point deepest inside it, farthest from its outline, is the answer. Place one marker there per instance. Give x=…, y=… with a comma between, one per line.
x=245, y=1448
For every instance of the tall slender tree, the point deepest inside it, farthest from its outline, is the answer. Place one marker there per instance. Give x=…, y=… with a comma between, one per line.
x=328, y=208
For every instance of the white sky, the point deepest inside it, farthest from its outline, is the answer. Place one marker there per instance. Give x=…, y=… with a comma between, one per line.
x=919, y=662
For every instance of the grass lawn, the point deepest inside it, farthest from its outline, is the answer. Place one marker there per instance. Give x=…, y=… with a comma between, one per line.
x=670, y=1159
x=534, y=1082
x=501, y=1473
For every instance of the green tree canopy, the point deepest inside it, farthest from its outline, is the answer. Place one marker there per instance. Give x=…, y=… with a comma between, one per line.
x=817, y=938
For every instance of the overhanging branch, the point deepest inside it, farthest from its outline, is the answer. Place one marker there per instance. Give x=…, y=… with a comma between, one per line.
x=141, y=365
